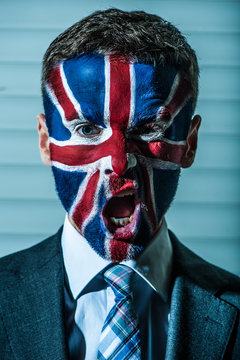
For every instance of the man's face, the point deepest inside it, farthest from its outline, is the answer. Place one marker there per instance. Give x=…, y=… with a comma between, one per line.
x=117, y=134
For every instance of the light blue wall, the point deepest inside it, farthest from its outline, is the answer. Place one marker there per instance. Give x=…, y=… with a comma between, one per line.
x=205, y=214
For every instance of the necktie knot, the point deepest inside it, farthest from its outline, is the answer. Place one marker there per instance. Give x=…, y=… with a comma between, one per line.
x=118, y=277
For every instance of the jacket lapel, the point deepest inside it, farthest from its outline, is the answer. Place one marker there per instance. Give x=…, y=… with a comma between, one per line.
x=35, y=302
x=201, y=323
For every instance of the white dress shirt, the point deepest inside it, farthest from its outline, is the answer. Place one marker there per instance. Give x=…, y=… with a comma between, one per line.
x=82, y=264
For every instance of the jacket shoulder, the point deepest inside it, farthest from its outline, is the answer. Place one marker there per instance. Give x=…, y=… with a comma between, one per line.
x=33, y=257
x=206, y=275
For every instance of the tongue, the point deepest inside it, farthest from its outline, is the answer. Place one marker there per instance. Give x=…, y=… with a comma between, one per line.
x=120, y=207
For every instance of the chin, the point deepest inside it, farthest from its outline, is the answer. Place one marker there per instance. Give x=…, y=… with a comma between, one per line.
x=122, y=250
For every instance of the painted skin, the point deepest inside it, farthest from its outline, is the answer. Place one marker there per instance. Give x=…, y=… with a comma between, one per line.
x=117, y=134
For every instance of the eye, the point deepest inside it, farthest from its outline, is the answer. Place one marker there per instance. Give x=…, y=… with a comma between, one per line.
x=88, y=130
x=149, y=132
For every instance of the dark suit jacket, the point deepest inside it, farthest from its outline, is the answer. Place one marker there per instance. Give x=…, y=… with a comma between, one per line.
x=205, y=304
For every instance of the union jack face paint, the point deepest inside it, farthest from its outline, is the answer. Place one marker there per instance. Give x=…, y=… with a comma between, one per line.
x=117, y=136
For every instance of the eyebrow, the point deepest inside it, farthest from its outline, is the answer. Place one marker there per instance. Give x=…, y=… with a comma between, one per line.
x=143, y=120
x=94, y=117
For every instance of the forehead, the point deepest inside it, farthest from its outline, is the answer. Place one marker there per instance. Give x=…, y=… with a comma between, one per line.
x=96, y=81
x=113, y=91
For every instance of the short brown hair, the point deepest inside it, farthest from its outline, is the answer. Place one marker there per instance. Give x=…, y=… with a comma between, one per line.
x=136, y=34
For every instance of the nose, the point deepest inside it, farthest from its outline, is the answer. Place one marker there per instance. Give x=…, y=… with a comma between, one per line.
x=121, y=159
x=122, y=164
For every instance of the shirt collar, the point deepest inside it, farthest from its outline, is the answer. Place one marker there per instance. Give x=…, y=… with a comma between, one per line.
x=82, y=263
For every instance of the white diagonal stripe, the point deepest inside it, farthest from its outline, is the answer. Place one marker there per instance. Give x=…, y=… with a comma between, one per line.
x=132, y=89
x=112, y=347
x=107, y=91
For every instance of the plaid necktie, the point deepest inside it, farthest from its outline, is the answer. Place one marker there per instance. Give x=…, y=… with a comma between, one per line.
x=120, y=338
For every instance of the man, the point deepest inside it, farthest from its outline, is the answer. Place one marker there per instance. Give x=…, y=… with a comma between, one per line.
x=119, y=92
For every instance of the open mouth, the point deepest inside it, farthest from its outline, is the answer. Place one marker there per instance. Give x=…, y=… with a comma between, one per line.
x=121, y=214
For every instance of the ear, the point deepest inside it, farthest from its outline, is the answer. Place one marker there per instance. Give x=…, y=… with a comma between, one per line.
x=43, y=140
x=192, y=139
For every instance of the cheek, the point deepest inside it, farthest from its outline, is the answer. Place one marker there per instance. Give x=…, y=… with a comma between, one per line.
x=165, y=184
x=157, y=188
x=71, y=155
x=167, y=152
x=67, y=185
x=84, y=207
x=159, y=150
x=82, y=193
x=86, y=156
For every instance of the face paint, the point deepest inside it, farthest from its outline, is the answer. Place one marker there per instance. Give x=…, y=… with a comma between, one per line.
x=117, y=135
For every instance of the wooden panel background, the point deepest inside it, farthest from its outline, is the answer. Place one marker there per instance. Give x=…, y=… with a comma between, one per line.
x=205, y=213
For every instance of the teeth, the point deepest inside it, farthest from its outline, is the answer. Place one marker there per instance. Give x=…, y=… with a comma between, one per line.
x=125, y=193
x=121, y=221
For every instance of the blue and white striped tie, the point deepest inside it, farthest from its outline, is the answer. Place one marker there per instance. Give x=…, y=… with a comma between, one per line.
x=120, y=339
